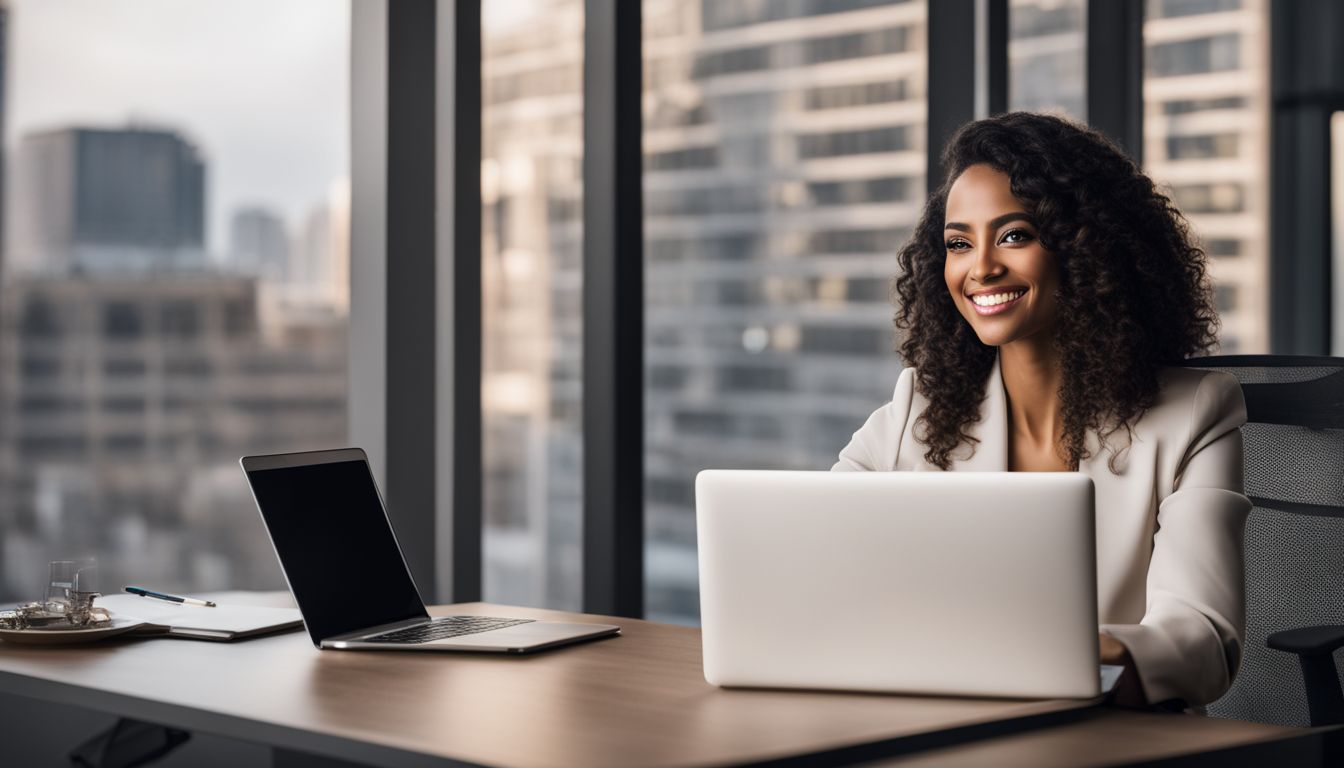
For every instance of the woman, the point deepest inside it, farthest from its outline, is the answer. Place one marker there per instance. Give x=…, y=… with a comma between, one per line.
x=1046, y=291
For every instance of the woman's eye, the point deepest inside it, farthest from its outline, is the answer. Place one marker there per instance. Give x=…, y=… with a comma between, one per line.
x=1017, y=236
x=957, y=244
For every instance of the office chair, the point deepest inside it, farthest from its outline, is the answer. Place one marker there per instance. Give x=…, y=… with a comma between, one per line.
x=1294, y=458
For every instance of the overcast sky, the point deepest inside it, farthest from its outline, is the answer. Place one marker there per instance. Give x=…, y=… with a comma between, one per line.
x=261, y=87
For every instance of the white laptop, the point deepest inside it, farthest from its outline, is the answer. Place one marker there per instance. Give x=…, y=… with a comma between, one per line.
x=327, y=523
x=960, y=583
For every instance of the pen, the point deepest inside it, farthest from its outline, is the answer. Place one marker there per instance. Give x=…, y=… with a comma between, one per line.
x=170, y=598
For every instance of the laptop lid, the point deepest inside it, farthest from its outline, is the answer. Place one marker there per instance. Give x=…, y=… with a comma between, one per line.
x=336, y=547
x=961, y=583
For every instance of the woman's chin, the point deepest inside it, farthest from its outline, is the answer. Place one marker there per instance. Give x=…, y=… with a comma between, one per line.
x=994, y=338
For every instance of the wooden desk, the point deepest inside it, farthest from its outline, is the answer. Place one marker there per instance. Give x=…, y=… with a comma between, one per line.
x=1105, y=737
x=637, y=699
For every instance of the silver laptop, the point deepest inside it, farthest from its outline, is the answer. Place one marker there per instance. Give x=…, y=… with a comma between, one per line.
x=327, y=523
x=978, y=584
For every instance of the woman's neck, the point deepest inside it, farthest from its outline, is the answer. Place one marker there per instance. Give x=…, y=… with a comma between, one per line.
x=1031, y=378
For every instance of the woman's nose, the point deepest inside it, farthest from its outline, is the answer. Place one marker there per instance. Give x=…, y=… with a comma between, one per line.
x=987, y=265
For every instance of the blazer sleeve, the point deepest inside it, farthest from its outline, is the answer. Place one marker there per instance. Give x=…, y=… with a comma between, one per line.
x=1189, y=643
x=874, y=447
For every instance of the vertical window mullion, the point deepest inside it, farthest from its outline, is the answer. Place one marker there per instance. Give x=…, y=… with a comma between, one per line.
x=963, y=88
x=613, y=311
x=1115, y=72
x=460, y=506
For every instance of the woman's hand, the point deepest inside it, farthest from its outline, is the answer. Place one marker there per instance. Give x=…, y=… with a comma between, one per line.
x=1128, y=691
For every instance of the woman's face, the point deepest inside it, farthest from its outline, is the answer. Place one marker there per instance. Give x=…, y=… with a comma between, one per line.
x=1001, y=279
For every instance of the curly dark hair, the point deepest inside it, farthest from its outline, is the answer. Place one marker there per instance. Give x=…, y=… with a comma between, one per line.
x=1133, y=292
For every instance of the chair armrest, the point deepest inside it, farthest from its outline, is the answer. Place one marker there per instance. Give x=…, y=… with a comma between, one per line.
x=1315, y=648
x=1308, y=641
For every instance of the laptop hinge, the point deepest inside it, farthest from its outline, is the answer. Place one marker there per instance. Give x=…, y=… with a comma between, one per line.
x=359, y=634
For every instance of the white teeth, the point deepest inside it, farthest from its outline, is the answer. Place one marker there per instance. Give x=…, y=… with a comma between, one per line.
x=994, y=299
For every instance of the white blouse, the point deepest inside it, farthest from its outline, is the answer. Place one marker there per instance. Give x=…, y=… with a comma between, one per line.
x=1169, y=523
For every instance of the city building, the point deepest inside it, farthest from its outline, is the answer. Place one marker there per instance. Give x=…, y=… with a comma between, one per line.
x=784, y=166
x=259, y=244
x=108, y=200
x=133, y=373
x=531, y=236
x=1206, y=127
x=125, y=404
x=1206, y=139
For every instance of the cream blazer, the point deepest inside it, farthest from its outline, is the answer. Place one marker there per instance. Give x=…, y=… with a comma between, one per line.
x=1169, y=524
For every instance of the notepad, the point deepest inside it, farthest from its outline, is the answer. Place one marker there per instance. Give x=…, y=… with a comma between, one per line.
x=222, y=623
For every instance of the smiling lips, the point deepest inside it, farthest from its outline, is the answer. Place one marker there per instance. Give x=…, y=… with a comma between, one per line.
x=998, y=302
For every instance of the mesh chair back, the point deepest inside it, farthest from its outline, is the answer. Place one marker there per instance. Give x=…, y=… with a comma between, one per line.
x=1294, y=459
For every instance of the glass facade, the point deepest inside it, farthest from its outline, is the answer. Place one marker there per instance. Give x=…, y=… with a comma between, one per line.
x=1206, y=139
x=1047, y=57
x=175, y=289
x=784, y=165
x=531, y=243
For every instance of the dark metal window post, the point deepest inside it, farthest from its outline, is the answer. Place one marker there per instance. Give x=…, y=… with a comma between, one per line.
x=415, y=335
x=1306, y=88
x=1115, y=72
x=613, y=311
x=459, y=429
x=963, y=88
x=410, y=305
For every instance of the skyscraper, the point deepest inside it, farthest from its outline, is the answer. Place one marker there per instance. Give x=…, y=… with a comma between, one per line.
x=784, y=167
x=99, y=200
x=1206, y=126
x=125, y=403
x=259, y=244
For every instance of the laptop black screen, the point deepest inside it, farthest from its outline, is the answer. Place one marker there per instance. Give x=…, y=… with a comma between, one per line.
x=336, y=546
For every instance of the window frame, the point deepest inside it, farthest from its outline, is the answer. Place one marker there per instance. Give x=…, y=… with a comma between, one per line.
x=440, y=457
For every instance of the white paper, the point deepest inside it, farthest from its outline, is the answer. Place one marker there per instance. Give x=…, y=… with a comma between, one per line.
x=220, y=619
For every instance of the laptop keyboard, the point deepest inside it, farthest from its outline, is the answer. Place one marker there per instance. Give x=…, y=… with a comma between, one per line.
x=445, y=627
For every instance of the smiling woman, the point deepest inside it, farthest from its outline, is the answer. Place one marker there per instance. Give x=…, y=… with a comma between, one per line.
x=995, y=264
x=1036, y=201
x=1046, y=295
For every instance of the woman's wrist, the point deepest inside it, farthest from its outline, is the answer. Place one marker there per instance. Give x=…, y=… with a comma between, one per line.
x=1113, y=651
x=1128, y=690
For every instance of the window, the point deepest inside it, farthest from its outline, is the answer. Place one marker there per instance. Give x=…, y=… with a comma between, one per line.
x=1206, y=142
x=1171, y=8
x=1202, y=146
x=151, y=216
x=1197, y=56
x=531, y=235
x=768, y=269
x=1047, y=57
x=1209, y=198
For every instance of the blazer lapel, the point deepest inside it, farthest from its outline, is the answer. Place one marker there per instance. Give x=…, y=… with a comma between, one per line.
x=991, y=453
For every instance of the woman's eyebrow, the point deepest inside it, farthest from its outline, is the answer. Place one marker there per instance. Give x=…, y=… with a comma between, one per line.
x=994, y=223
